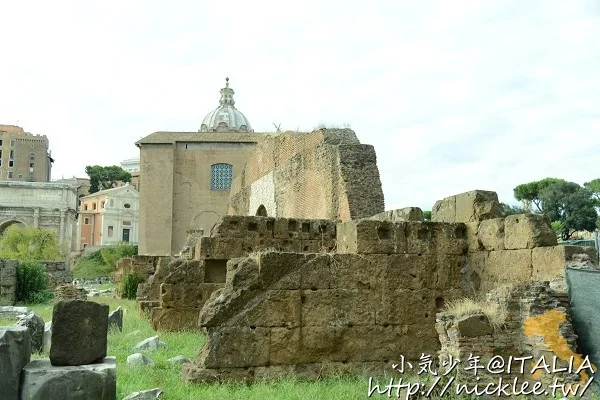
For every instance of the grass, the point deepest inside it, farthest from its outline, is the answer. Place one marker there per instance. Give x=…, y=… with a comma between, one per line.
x=494, y=311
x=168, y=377
x=90, y=268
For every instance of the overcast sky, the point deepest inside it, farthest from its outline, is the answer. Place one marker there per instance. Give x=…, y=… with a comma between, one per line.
x=454, y=95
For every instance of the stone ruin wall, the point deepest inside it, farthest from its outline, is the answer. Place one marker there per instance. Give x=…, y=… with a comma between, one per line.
x=338, y=171
x=57, y=272
x=311, y=297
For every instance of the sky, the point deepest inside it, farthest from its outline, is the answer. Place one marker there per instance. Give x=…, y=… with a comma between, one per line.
x=453, y=95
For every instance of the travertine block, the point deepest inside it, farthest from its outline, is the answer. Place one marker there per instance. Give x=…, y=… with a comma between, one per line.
x=526, y=231
x=491, y=234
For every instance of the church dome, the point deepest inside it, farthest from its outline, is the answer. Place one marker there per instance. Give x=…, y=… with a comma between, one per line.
x=226, y=118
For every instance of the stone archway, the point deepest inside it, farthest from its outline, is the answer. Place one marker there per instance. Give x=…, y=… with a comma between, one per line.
x=4, y=226
x=262, y=211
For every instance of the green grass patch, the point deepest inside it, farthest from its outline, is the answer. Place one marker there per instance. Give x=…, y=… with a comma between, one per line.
x=168, y=377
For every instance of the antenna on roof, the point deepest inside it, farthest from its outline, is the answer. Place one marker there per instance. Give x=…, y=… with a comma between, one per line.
x=278, y=127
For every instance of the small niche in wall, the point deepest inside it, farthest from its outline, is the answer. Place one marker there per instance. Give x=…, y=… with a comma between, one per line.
x=215, y=271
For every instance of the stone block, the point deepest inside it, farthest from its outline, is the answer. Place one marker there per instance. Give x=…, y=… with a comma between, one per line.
x=174, y=319
x=436, y=238
x=549, y=262
x=400, y=215
x=474, y=325
x=35, y=324
x=181, y=295
x=115, y=319
x=47, y=339
x=235, y=347
x=339, y=307
x=473, y=241
x=491, y=234
x=276, y=308
x=73, y=320
x=407, y=307
x=526, y=231
x=285, y=346
x=41, y=381
x=149, y=394
x=15, y=353
x=371, y=237
x=319, y=343
x=507, y=267
x=406, y=271
x=473, y=206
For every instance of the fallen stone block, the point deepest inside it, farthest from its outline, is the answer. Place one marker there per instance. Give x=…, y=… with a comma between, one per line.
x=399, y=215
x=153, y=343
x=42, y=381
x=15, y=353
x=73, y=320
x=36, y=325
x=139, y=359
x=179, y=360
x=149, y=394
x=115, y=319
x=473, y=206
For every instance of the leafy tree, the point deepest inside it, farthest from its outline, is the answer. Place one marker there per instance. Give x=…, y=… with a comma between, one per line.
x=30, y=243
x=594, y=187
x=531, y=191
x=510, y=210
x=426, y=215
x=571, y=205
x=102, y=178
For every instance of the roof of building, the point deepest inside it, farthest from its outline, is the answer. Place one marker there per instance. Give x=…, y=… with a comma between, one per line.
x=110, y=191
x=225, y=118
x=162, y=137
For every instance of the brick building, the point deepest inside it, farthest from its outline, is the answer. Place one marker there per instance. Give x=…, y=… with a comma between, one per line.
x=24, y=156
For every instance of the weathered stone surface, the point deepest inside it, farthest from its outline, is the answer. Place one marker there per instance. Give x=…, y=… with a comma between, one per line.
x=474, y=325
x=491, y=234
x=8, y=282
x=371, y=237
x=35, y=325
x=506, y=267
x=473, y=206
x=174, y=319
x=549, y=262
x=42, y=381
x=526, y=231
x=115, y=319
x=73, y=320
x=149, y=394
x=47, y=338
x=12, y=311
x=399, y=215
x=179, y=360
x=139, y=359
x=152, y=343
x=15, y=353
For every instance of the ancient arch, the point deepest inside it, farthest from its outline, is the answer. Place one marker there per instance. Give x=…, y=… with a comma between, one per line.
x=7, y=224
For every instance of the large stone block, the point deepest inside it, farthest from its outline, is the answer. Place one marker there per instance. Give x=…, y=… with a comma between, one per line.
x=371, y=237
x=507, y=267
x=549, y=262
x=473, y=206
x=15, y=353
x=526, y=231
x=174, y=319
x=73, y=320
x=41, y=381
x=339, y=307
x=491, y=234
x=276, y=308
x=400, y=215
x=436, y=238
x=231, y=347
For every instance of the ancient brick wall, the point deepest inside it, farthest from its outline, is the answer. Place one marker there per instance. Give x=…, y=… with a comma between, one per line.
x=537, y=325
x=325, y=174
x=57, y=273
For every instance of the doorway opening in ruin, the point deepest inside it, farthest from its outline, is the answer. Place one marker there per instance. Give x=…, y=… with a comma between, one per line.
x=262, y=211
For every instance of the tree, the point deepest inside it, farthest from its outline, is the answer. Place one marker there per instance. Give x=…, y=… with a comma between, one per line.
x=427, y=215
x=594, y=187
x=30, y=243
x=511, y=210
x=571, y=205
x=102, y=178
x=531, y=191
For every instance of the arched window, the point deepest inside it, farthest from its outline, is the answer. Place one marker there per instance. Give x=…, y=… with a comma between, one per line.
x=221, y=176
x=262, y=211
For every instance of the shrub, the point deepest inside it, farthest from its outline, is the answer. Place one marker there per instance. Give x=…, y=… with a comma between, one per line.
x=130, y=285
x=30, y=243
x=32, y=283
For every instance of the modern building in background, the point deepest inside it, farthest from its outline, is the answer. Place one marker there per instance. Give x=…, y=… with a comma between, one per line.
x=108, y=217
x=24, y=156
x=132, y=165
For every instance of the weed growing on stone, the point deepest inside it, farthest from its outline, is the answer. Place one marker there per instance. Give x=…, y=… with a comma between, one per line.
x=494, y=311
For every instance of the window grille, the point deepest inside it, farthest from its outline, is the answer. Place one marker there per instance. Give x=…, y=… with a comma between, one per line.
x=221, y=176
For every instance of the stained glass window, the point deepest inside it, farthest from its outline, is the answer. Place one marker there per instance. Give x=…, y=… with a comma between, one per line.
x=221, y=176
